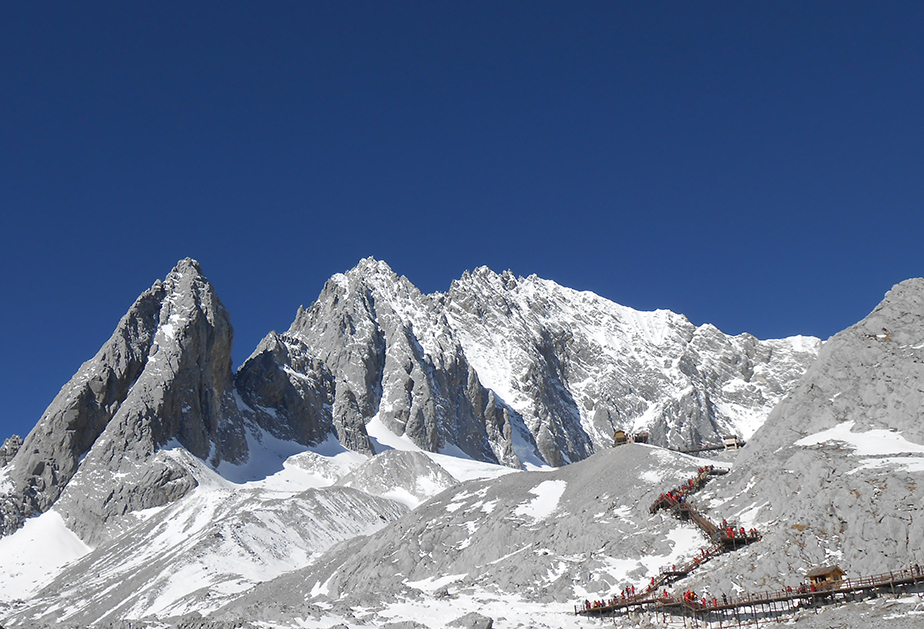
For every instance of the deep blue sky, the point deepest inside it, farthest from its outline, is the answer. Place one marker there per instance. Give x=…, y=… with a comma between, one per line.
x=758, y=166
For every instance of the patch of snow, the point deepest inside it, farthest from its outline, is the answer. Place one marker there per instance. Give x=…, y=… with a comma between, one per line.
x=507, y=612
x=322, y=589
x=6, y=485
x=431, y=584
x=906, y=463
x=278, y=465
x=686, y=543
x=622, y=512
x=653, y=477
x=869, y=443
x=547, y=495
x=169, y=329
x=749, y=517
x=239, y=402
x=34, y=554
x=403, y=496
x=459, y=465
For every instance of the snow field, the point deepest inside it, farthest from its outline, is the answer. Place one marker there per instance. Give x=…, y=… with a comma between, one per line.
x=34, y=554
x=547, y=493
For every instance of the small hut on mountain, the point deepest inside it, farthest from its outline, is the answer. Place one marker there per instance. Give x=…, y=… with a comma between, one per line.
x=732, y=442
x=825, y=576
x=619, y=438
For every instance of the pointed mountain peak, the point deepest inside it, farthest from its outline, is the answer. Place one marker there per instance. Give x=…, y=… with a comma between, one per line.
x=164, y=375
x=371, y=266
x=186, y=265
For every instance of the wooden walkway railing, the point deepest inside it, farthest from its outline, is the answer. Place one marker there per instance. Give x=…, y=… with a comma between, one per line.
x=725, y=539
x=664, y=602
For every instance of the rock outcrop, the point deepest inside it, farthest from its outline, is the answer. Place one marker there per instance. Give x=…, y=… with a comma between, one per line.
x=577, y=367
x=380, y=348
x=9, y=449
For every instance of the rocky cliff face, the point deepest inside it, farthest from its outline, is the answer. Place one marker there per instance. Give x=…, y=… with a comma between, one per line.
x=577, y=367
x=383, y=350
x=521, y=370
x=164, y=375
x=9, y=449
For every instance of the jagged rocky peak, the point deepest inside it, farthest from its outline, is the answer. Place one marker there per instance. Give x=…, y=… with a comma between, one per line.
x=287, y=391
x=163, y=375
x=388, y=356
x=577, y=367
x=513, y=369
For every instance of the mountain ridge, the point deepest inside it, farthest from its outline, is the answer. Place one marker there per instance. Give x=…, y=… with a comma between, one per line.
x=565, y=369
x=281, y=522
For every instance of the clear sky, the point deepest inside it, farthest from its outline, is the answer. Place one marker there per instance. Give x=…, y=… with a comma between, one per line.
x=755, y=165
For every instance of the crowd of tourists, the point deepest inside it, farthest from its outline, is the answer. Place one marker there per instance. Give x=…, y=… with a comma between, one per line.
x=678, y=496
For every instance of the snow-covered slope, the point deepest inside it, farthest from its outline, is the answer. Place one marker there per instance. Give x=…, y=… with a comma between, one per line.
x=224, y=537
x=540, y=539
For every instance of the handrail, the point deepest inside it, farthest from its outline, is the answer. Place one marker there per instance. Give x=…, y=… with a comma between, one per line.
x=651, y=595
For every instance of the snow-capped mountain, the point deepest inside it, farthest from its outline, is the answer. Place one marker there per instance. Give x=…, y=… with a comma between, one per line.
x=576, y=366
x=165, y=374
x=833, y=476
x=173, y=486
x=514, y=371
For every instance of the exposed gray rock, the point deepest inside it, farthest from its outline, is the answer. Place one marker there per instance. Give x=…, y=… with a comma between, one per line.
x=289, y=392
x=472, y=620
x=392, y=354
x=9, y=449
x=165, y=374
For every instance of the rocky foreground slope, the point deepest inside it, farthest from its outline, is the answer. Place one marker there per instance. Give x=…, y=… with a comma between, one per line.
x=836, y=474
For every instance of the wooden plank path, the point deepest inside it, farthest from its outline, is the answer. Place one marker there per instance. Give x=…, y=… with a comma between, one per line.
x=652, y=601
x=724, y=539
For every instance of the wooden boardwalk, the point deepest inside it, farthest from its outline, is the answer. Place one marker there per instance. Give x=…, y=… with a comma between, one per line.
x=723, y=539
x=748, y=607
x=727, y=610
